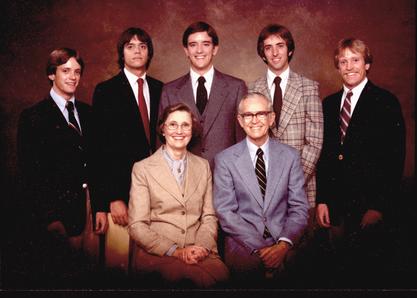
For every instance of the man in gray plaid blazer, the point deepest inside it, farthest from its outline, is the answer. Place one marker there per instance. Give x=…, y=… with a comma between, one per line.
x=300, y=118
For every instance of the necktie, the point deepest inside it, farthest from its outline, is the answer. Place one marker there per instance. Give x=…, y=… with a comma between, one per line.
x=260, y=171
x=201, y=95
x=277, y=99
x=72, y=121
x=261, y=175
x=345, y=116
x=143, y=110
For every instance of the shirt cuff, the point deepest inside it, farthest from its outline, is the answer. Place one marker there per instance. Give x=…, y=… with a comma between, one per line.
x=171, y=250
x=286, y=240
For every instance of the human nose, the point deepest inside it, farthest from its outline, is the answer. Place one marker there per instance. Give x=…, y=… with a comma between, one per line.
x=199, y=48
x=274, y=51
x=254, y=118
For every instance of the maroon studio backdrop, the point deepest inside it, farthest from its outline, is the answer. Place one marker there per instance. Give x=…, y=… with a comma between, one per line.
x=31, y=29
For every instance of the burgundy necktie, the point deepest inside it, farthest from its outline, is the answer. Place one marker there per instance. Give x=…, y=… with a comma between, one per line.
x=345, y=116
x=143, y=110
x=277, y=99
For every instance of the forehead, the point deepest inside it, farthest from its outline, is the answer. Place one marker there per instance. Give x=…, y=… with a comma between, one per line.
x=179, y=116
x=349, y=53
x=254, y=103
x=199, y=37
x=134, y=40
x=71, y=63
x=273, y=39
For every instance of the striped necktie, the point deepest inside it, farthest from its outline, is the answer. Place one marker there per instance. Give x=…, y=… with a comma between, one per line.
x=345, y=116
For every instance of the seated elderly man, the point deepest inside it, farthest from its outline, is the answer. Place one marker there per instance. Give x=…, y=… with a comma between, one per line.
x=259, y=196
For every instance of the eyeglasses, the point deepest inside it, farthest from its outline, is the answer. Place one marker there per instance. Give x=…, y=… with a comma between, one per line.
x=261, y=115
x=173, y=126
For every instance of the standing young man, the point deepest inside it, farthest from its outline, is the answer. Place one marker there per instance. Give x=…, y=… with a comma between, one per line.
x=212, y=96
x=296, y=102
x=125, y=109
x=53, y=152
x=360, y=168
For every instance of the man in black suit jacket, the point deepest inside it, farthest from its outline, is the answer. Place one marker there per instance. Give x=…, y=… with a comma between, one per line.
x=53, y=139
x=362, y=160
x=122, y=134
x=220, y=95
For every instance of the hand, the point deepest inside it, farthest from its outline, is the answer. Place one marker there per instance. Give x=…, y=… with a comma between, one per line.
x=322, y=215
x=118, y=210
x=191, y=254
x=101, y=223
x=57, y=228
x=273, y=256
x=371, y=217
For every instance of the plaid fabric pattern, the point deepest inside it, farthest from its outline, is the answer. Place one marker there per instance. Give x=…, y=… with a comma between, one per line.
x=300, y=123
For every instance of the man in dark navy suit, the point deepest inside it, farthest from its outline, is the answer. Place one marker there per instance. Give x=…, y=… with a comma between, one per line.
x=361, y=165
x=125, y=109
x=53, y=152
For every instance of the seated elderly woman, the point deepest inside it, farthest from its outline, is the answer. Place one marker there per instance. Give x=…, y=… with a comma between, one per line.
x=171, y=214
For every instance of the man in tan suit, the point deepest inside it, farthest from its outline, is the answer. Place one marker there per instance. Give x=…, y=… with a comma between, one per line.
x=296, y=101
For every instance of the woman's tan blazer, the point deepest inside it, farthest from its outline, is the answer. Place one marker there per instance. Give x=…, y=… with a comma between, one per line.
x=161, y=214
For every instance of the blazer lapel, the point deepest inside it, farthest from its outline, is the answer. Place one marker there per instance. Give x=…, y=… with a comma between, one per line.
x=216, y=99
x=162, y=175
x=56, y=115
x=245, y=168
x=186, y=95
x=290, y=101
x=275, y=170
x=193, y=177
x=262, y=87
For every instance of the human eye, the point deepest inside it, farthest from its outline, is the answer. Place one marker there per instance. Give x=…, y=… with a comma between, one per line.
x=186, y=126
x=267, y=48
x=342, y=62
x=262, y=114
x=172, y=126
x=143, y=46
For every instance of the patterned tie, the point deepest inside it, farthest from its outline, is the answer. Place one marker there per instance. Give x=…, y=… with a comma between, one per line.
x=143, y=110
x=261, y=175
x=345, y=116
x=277, y=100
x=72, y=121
x=201, y=95
x=260, y=171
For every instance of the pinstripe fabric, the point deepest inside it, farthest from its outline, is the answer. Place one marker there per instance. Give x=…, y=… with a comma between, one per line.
x=300, y=123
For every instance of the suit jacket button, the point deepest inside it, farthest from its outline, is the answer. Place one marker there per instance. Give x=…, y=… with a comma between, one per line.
x=203, y=150
x=84, y=185
x=183, y=212
x=340, y=157
x=182, y=232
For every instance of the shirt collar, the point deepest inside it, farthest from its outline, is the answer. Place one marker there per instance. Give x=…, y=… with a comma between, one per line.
x=270, y=76
x=59, y=100
x=132, y=78
x=253, y=148
x=208, y=76
x=356, y=90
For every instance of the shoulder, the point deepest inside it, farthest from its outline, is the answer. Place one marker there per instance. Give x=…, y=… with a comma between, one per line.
x=36, y=112
x=276, y=146
x=218, y=75
x=177, y=82
x=155, y=82
x=112, y=82
x=260, y=82
x=197, y=160
x=379, y=93
x=304, y=81
x=229, y=153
